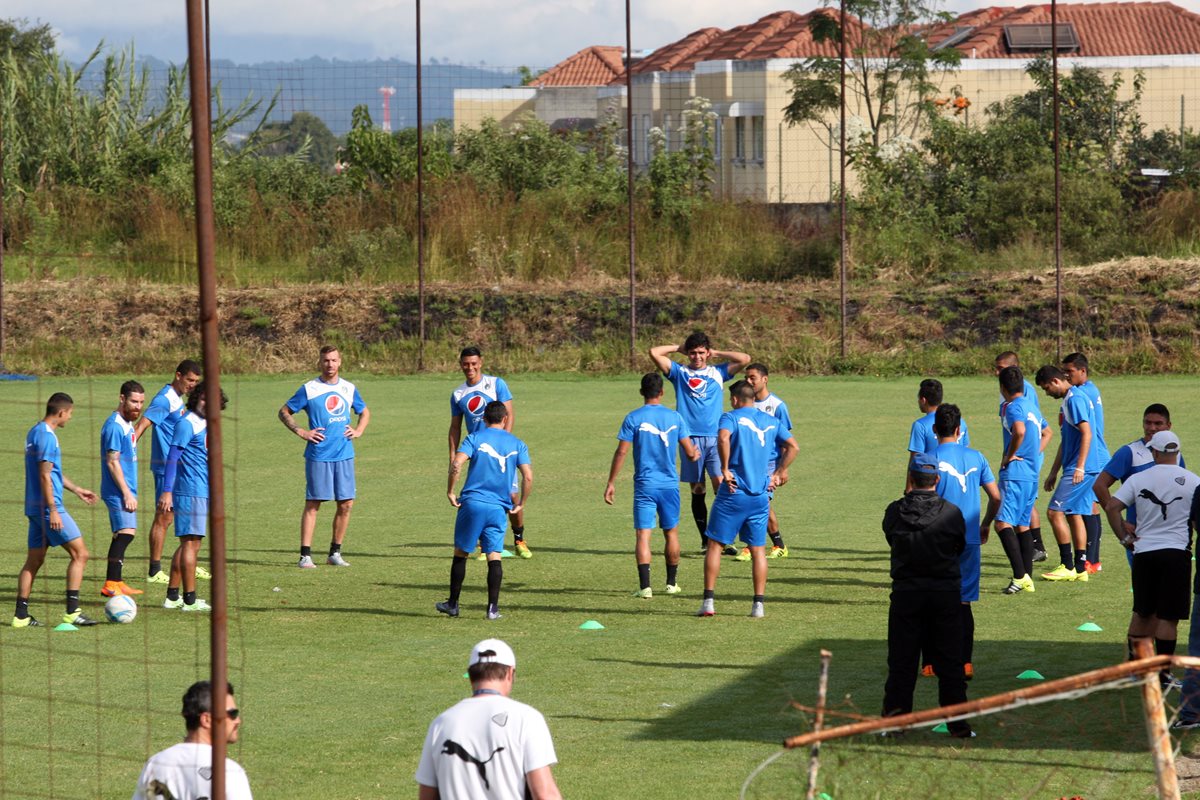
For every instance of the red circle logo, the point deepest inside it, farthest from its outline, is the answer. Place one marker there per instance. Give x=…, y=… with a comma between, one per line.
x=335, y=405
x=476, y=404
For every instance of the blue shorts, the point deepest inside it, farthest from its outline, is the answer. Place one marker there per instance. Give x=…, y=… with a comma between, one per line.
x=158, y=486
x=191, y=515
x=661, y=501
x=693, y=471
x=118, y=518
x=480, y=524
x=1016, y=502
x=738, y=513
x=329, y=480
x=968, y=565
x=41, y=536
x=1074, y=498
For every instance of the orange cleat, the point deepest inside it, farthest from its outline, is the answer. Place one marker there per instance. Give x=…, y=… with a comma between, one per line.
x=968, y=671
x=113, y=588
x=927, y=671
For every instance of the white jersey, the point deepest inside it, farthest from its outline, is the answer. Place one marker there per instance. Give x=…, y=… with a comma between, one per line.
x=483, y=747
x=184, y=772
x=1164, y=497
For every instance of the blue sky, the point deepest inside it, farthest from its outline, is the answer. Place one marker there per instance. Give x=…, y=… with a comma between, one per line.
x=536, y=33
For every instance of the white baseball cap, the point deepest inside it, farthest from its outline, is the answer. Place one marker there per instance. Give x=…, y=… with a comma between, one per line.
x=1164, y=442
x=492, y=651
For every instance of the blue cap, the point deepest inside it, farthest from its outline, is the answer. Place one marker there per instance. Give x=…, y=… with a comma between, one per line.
x=923, y=462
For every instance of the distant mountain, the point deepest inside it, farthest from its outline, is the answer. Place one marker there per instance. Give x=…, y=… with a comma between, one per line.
x=331, y=89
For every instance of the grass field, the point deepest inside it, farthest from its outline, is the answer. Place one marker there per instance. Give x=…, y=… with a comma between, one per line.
x=339, y=672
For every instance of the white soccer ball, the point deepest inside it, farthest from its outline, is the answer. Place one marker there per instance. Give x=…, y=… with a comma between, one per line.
x=120, y=608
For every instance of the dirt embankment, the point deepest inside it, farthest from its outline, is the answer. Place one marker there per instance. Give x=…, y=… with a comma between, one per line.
x=1140, y=315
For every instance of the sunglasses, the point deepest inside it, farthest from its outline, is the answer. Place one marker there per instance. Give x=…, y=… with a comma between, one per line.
x=231, y=713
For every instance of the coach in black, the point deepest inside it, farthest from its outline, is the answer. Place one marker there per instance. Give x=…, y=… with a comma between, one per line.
x=927, y=535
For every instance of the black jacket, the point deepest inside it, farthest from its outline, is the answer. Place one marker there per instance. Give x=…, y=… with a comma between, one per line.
x=927, y=535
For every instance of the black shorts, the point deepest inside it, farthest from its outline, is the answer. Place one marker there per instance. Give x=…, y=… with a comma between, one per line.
x=1162, y=584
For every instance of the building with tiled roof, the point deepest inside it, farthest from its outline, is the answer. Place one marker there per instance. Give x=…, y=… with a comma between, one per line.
x=598, y=65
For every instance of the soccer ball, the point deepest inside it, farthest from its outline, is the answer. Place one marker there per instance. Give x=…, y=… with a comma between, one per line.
x=120, y=608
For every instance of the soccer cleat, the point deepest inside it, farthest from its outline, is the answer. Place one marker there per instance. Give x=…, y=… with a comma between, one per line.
x=961, y=734
x=778, y=552
x=306, y=562
x=199, y=605
x=523, y=549
x=928, y=672
x=968, y=671
x=744, y=555
x=158, y=577
x=756, y=610
x=1082, y=576
x=203, y=574
x=1061, y=573
x=729, y=550
x=114, y=588
x=1027, y=584
x=1182, y=724
x=673, y=588
x=706, y=608
x=493, y=612
x=482, y=556
x=27, y=622
x=79, y=619
x=176, y=603
x=1092, y=569
x=645, y=594
x=1014, y=587
x=446, y=608
x=336, y=560
x=1039, y=556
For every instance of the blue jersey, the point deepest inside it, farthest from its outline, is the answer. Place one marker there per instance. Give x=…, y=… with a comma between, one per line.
x=1093, y=393
x=496, y=456
x=698, y=396
x=116, y=436
x=41, y=444
x=654, y=432
x=1077, y=409
x=191, y=436
x=753, y=436
x=164, y=411
x=328, y=407
x=469, y=400
x=963, y=472
x=1021, y=409
x=1128, y=461
x=922, y=439
x=778, y=409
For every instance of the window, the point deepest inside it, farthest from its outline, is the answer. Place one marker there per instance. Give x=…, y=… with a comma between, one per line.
x=739, y=138
x=633, y=141
x=647, y=155
x=758, y=133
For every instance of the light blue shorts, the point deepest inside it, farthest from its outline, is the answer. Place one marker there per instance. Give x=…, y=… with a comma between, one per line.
x=40, y=534
x=329, y=480
x=710, y=462
x=1074, y=498
x=1016, y=502
x=739, y=514
x=480, y=524
x=118, y=518
x=661, y=502
x=191, y=515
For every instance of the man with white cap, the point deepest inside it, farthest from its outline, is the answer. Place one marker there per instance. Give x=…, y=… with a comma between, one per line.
x=1164, y=497
x=488, y=745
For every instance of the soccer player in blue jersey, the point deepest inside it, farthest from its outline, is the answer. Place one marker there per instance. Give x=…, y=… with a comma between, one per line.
x=1025, y=436
x=1010, y=359
x=767, y=401
x=921, y=438
x=185, y=494
x=745, y=440
x=698, y=389
x=486, y=501
x=1081, y=458
x=653, y=433
x=164, y=411
x=1075, y=367
x=119, y=482
x=327, y=400
x=49, y=523
x=964, y=472
x=467, y=403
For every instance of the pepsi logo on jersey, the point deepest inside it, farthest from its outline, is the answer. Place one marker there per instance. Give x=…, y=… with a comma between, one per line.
x=476, y=404
x=334, y=404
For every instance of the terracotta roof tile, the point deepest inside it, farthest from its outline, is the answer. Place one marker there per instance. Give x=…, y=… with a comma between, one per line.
x=677, y=55
x=591, y=66
x=784, y=34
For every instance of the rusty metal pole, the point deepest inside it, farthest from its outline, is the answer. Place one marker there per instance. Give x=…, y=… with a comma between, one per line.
x=814, y=755
x=842, y=188
x=2, y=370
x=1156, y=726
x=420, y=207
x=205, y=245
x=1057, y=179
x=629, y=187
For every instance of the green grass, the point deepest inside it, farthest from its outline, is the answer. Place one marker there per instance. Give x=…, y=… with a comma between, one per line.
x=340, y=672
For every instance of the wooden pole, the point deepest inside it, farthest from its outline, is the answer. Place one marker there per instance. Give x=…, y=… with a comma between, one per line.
x=629, y=187
x=814, y=756
x=420, y=206
x=842, y=187
x=1156, y=726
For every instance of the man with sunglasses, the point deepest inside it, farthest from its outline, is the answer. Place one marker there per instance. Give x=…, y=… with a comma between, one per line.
x=184, y=771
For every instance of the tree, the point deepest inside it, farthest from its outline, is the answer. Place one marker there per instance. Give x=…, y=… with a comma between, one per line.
x=890, y=67
x=304, y=133
x=25, y=43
